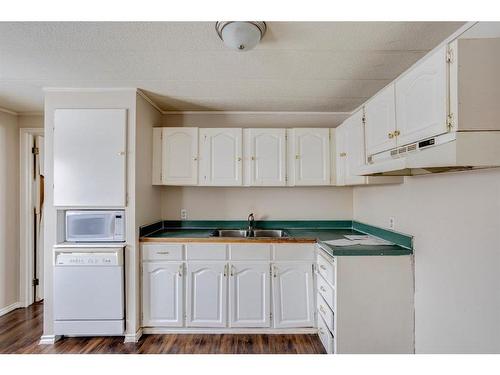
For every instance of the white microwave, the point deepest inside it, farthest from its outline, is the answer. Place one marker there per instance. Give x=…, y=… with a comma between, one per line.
x=95, y=226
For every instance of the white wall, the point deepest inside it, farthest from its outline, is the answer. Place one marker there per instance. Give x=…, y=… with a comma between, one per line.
x=267, y=203
x=9, y=210
x=455, y=219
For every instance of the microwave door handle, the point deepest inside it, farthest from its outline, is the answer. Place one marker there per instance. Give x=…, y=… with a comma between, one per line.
x=113, y=228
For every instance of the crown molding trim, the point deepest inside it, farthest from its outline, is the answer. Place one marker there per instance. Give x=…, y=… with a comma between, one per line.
x=253, y=113
x=150, y=101
x=5, y=110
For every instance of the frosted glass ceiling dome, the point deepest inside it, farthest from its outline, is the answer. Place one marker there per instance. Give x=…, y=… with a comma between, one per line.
x=241, y=35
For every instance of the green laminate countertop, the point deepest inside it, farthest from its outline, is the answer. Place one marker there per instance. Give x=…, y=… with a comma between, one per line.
x=308, y=234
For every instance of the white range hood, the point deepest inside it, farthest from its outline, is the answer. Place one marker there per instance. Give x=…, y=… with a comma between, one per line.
x=444, y=153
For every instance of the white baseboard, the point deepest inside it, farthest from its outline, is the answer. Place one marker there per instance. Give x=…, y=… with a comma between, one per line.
x=8, y=309
x=133, y=337
x=48, y=339
x=232, y=331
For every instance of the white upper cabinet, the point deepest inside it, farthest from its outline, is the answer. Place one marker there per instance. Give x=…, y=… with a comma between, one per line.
x=249, y=295
x=90, y=157
x=380, y=121
x=310, y=150
x=220, y=157
x=421, y=99
x=179, y=156
x=350, y=150
x=162, y=296
x=265, y=157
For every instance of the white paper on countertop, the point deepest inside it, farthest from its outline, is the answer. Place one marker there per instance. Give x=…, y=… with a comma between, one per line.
x=354, y=237
x=366, y=240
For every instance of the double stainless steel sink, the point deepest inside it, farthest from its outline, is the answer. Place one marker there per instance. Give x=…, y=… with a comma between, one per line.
x=255, y=233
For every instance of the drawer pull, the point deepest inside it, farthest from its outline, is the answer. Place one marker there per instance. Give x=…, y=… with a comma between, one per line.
x=322, y=267
x=181, y=268
x=322, y=288
x=163, y=252
x=321, y=331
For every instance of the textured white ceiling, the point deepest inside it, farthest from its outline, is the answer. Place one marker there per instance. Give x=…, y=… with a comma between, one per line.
x=298, y=66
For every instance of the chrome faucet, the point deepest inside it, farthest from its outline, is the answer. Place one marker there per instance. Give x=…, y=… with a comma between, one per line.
x=251, y=224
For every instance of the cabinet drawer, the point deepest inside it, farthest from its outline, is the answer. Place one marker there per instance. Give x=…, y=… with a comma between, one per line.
x=197, y=251
x=162, y=252
x=326, y=269
x=325, y=312
x=326, y=291
x=249, y=251
x=294, y=252
x=325, y=336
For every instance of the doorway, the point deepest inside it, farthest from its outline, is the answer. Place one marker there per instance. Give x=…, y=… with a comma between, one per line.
x=32, y=171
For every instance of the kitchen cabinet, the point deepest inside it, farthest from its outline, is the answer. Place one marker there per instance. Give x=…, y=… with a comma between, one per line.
x=249, y=294
x=221, y=158
x=349, y=141
x=206, y=294
x=90, y=157
x=179, y=156
x=310, y=154
x=265, y=157
x=293, y=294
x=380, y=121
x=162, y=294
x=353, y=312
x=422, y=99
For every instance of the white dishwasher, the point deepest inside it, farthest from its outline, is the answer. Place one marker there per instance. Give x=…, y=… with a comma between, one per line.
x=88, y=292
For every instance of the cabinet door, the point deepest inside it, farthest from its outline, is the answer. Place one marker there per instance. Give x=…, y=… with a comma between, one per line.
x=249, y=295
x=180, y=156
x=293, y=295
x=90, y=157
x=311, y=153
x=266, y=155
x=206, y=294
x=340, y=155
x=355, y=148
x=421, y=100
x=162, y=296
x=380, y=121
x=220, y=157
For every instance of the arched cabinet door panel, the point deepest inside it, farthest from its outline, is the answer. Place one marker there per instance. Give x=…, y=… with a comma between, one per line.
x=292, y=295
x=162, y=297
x=221, y=158
x=206, y=294
x=179, y=156
x=249, y=295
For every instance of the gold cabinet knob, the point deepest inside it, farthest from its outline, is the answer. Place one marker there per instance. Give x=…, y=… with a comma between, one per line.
x=238, y=159
x=195, y=158
x=343, y=154
x=397, y=133
x=390, y=135
x=297, y=157
x=253, y=158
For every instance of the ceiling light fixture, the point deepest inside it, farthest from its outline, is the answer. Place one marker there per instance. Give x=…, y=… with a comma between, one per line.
x=241, y=35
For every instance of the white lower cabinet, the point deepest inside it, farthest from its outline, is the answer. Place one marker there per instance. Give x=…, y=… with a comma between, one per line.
x=250, y=295
x=242, y=285
x=293, y=300
x=206, y=297
x=162, y=294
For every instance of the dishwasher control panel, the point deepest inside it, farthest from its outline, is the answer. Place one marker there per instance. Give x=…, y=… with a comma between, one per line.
x=88, y=259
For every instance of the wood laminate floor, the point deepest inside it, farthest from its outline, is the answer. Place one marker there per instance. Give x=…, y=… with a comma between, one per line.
x=20, y=332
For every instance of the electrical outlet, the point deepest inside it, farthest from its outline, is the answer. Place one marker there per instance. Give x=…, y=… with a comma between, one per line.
x=392, y=223
x=184, y=214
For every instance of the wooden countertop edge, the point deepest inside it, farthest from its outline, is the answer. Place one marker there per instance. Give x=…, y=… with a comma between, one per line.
x=227, y=240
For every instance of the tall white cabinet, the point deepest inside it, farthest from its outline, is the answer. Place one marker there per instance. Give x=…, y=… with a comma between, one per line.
x=90, y=157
